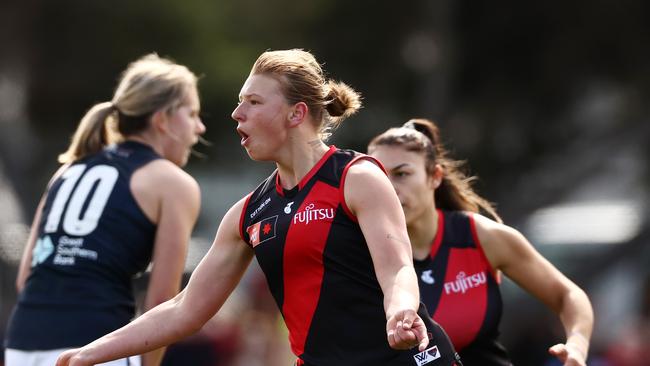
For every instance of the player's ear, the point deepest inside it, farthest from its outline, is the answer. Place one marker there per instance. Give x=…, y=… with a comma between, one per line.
x=436, y=177
x=158, y=120
x=297, y=114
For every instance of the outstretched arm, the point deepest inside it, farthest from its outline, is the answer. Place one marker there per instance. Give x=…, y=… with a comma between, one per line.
x=509, y=251
x=371, y=197
x=174, y=206
x=209, y=286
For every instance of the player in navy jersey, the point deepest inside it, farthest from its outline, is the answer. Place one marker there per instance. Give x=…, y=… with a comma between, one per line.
x=459, y=254
x=119, y=202
x=326, y=228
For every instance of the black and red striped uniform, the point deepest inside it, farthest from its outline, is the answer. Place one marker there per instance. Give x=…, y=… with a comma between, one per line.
x=319, y=269
x=461, y=290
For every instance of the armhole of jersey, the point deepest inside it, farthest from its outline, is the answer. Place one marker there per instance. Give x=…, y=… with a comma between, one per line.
x=59, y=171
x=440, y=234
x=344, y=205
x=241, y=219
x=130, y=191
x=472, y=225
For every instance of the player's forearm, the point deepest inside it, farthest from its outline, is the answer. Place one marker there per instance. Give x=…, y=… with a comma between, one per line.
x=153, y=358
x=577, y=318
x=153, y=299
x=402, y=293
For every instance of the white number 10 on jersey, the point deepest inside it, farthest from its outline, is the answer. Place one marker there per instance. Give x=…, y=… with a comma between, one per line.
x=103, y=176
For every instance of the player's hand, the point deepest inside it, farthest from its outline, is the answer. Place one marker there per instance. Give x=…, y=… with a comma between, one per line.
x=406, y=330
x=71, y=358
x=568, y=354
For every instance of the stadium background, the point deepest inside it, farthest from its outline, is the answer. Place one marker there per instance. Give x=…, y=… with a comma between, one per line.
x=548, y=102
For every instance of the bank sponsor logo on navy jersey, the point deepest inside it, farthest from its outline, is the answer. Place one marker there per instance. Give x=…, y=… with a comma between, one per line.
x=66, y=251
x=262, y=231
x=313, y=213
x=463, y=282
x=427, y=356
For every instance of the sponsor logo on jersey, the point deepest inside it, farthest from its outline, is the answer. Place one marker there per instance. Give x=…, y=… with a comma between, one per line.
x=260, y=207
x=427, y=278
x=427, y=356
x=463, y=282
x=287, y=208
x=311, y=213
x=262, y=231
x=43, y=249
x=69, y=249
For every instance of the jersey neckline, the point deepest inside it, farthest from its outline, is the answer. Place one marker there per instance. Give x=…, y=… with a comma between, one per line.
x=293, y=191
x=136, y=144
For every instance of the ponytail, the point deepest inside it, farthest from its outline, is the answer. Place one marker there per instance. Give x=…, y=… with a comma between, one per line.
x=341, y=102
x=91, y=135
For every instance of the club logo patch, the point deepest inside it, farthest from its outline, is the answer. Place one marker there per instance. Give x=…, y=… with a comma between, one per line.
x=262, y=231
x=287, y=208
x=427, y=277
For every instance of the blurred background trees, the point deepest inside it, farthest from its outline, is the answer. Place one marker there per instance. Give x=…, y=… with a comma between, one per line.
x=547, y=101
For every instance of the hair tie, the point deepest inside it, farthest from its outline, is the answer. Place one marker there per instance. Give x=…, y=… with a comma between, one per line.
x=113, y=107
x=410, y=125
x=423, y=129
x=417, y=127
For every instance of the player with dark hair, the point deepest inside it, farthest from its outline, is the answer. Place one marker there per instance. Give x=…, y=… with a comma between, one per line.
x=459, y=254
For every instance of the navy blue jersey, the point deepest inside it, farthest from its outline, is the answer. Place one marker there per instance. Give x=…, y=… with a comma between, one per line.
x=461, y=290
x=93, y=238
x=319, y=269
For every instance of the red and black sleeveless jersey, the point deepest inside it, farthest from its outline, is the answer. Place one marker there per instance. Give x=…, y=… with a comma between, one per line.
x=319, y=269
x=461, y=290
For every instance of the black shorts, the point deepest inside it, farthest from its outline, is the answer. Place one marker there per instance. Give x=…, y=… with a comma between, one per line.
x=440, y=351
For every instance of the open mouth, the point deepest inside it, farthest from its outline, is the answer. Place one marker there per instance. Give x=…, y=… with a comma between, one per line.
x=243, y=135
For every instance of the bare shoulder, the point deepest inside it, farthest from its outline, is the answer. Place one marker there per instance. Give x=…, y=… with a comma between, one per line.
x=500, y=242
x=229, y=227
x=491, y=230
x=367, y=186
x=364, y=168
x=364, y=175
x=164, y=177
x=233, y=215
x=160, y=185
